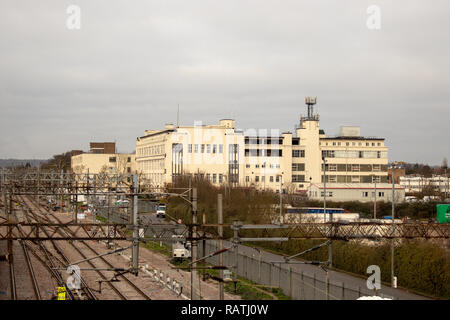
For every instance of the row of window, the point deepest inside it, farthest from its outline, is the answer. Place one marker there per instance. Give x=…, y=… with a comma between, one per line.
x=150, y=165
x=200, y=148
x=298, y=167
x=353, y=144
x=314, y=194
x=355, y=179
x=298, y=153
x=151, y=150
x=263, y=140
x=263, y=179
x=354, y=154
x=365, y=194
x=355, y=167
x=114, y=159
x=257, y=166
x=263, y=152
x=298, y=178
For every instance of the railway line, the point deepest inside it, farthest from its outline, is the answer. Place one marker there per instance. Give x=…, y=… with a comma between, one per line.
x=104, y=264
x=55, y=258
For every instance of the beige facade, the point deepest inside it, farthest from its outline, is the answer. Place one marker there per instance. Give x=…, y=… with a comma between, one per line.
x=364, y=192
x=223, y=154
x=93, y=163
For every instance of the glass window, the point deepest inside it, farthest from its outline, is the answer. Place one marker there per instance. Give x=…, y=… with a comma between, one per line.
x=203, y=148
x=189, y=148
x=208, y=148
x=220, y=148
x=196, y=148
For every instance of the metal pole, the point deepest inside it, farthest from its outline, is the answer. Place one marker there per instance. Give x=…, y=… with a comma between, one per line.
x=38, y=184
x=220, y=221
x=194, y=244
x=75, y=208
x=330, y=245
x=375, y=199
x=135, y=226
x=324, y=191
x=236, y=248
x=281, y=200
x=95, y=202
x=61, y=184
x=392, y=224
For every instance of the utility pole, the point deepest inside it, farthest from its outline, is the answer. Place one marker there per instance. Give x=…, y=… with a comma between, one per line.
x=330, y=245
x=95, y=199
x=236, y=248
x=220, y=227
x=194, y=244
x=61, y=184
x=324, y=191
x=38, y=183
x=135, y=226
x=393, y=230
x=281, y=199
x=375, y=197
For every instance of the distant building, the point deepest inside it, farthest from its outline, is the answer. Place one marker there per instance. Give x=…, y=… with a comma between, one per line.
x=223, y=154
x=363, y=192
x=103, y=158
x=417, y=183
x=107, y=163
x=399, y=171
x=102, y=147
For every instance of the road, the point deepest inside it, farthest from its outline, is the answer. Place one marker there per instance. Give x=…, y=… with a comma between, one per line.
x=334, y=276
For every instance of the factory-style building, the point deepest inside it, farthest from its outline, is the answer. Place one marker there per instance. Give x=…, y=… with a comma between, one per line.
x=103, y=158
x=225, y=155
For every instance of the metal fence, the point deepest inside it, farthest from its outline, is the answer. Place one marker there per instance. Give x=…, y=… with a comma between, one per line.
x=295, y=284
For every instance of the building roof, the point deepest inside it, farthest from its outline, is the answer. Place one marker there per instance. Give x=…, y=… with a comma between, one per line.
x=351, y=138
x=156, y=133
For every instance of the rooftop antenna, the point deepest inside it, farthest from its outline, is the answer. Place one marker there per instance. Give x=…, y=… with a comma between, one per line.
x=310, y=102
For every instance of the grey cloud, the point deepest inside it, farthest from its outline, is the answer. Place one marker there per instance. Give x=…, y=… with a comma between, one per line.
x=132, y=63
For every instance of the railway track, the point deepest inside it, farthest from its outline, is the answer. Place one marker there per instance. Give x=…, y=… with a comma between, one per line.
x=36, y=212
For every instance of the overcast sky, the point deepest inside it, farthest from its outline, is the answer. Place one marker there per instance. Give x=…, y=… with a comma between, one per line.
x=133, y=62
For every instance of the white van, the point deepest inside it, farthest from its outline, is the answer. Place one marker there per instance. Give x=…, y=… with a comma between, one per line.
x=161, y=211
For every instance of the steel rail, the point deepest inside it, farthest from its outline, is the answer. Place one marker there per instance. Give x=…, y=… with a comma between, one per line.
x=132, y=284
x=66, y=262
x=102, y=275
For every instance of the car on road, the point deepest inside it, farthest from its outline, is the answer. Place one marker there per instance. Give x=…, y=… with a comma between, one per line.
x=161, y=210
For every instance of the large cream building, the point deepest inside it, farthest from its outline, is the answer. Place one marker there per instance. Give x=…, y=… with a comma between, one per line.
x=223, y=154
